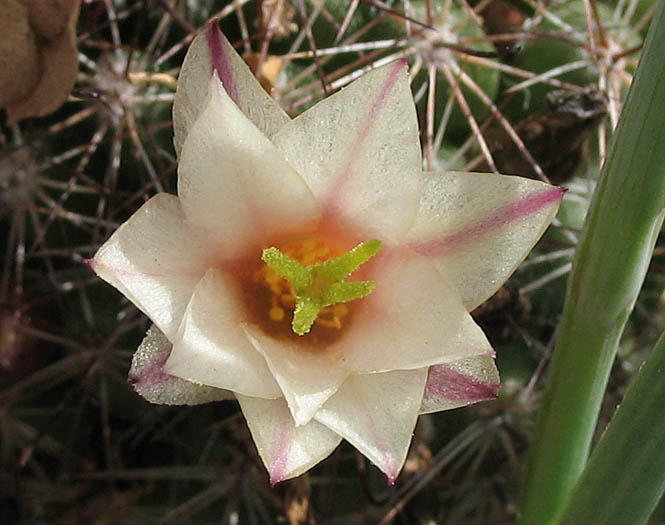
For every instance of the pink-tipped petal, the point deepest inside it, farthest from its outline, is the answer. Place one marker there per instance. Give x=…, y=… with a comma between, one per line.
x=287, y=450
x=211, y=52
x=478, y=227
x=155, y=260
x=149, y=379
x=306, y=376
x=234, y=184
x=460, y=383
x=359, y=152
x=412, y=319
x=377, y=413
x=211, y=348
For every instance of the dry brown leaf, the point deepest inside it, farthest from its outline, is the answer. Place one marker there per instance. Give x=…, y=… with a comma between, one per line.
x=19, y=59
x=270, y=69
x=38, y=60
x=278, y=16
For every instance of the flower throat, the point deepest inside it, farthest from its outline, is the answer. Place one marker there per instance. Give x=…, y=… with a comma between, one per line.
x=307, y=277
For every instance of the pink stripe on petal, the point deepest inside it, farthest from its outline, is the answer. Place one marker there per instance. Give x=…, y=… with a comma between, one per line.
x=370, y=119
x=389, y=467
x=388, y=461
x=514, y=211
x=282, y=446
x=392, y=477
x=383, y=96
x=220, y=60
x=445, y=383
x=153, y=374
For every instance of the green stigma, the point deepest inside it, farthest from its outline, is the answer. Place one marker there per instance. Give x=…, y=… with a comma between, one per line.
x=322, y=284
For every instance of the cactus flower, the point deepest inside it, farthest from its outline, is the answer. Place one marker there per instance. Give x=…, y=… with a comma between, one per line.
x=311, y=270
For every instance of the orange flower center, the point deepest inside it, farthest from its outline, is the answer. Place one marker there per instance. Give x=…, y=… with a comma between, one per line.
x=279, y=298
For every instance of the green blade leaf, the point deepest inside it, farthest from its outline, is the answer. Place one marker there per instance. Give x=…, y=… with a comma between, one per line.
x=617, y=241
x=625, y=477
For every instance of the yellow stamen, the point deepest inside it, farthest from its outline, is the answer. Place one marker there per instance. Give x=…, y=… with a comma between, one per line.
x=333, y=323
x=276, y=313
x=340, y=310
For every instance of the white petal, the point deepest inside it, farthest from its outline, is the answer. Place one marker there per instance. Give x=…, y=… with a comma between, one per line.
x=359, y=151
x=377, y=413
x=287, y=450
x=478, y=227
x=155, y=260
x=412, y=319
x=211, y=348
x=305, y=375
x=149, y=379
x=234, y=184
x=460, y=383
x=210, y=51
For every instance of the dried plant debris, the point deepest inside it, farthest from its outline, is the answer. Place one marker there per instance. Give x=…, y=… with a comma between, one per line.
x=556, y=136
x=38, y=55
